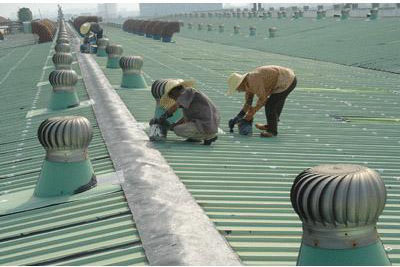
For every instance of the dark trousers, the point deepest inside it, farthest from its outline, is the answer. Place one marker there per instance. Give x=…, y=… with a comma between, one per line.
x=274, y=106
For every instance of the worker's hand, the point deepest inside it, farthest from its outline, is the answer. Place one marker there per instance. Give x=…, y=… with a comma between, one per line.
x=165, y=116
x=250, y=114
x=248, y=117
x=154, y=121
x=162, y=120
x=251, y=111
x=234, y=121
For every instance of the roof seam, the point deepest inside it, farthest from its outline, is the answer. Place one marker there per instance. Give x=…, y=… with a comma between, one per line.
x=99, y=218
x=86, y=253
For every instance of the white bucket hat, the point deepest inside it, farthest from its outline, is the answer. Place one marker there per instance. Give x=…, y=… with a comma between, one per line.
x=234, y=80
x=167, y=102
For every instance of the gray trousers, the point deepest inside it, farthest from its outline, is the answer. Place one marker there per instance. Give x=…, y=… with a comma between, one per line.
x=189, y=130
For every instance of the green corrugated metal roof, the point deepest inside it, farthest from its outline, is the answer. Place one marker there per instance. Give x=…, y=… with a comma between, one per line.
x=243, y=183
x=94, y=230
x=356, y=42
x=21, y=153
x=64, y=233
x=11, y=41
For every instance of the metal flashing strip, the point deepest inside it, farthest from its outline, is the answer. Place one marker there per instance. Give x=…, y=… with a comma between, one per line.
x=46, y=111
x=173, y=228
x=25, y=200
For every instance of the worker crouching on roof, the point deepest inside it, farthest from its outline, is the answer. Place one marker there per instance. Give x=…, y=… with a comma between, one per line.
x=272, y=85
x=200, y=116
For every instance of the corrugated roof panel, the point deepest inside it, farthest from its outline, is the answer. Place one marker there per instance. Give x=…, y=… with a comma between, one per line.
x=243, y=183
x=70, y=231
x=123, y=256
x=316, y=39
x=21, y=154
x=94, y=230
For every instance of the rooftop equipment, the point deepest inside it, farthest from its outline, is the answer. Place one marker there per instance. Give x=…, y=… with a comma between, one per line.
x=66, y=169
x=339, y=205
x=114, y=52
x=64, y=93
x=62, y=61
x=272, y=32
x=236, y=29
x=132, y=76
x=252, y=30
x=101, y=47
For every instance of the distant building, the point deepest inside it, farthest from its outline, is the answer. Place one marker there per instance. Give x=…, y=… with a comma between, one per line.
x=107, y=11
x=163, y=9
x=86, y=14
x=4, y=21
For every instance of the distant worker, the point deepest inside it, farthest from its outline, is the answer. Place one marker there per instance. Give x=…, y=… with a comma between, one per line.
x=200, y=116
x=272, y=85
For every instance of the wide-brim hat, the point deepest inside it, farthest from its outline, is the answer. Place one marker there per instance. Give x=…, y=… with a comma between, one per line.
x=85, y=28
x=234, y=80
x=167, y=102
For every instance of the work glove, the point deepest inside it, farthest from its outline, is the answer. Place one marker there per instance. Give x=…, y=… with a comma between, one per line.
x=235, y=120
x=154, y=121
x=161, y=120
x=232, y=123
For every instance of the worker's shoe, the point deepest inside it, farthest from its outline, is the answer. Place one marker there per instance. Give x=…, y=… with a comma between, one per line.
x=209, y=141
x=267, y=134
x=262, y=127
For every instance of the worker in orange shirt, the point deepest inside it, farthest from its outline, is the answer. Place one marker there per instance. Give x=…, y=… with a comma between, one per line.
x=271, y=84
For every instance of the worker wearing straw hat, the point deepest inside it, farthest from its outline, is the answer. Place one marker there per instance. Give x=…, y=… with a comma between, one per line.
x=200, y=116
x=272, y=85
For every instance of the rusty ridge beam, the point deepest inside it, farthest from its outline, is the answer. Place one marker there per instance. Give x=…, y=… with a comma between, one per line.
x=173, y=228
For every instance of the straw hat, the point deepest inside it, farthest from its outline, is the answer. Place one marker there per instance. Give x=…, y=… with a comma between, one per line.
x=167, y=102
x=85, y=28
x=234, y=80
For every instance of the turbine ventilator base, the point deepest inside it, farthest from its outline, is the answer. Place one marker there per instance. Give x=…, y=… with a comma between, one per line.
x=133, y=80
x=113, y=63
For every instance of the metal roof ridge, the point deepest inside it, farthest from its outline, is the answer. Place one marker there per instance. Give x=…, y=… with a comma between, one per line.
x=173, y=228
